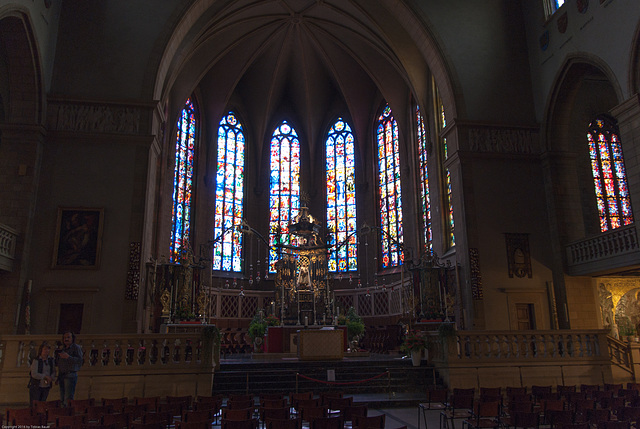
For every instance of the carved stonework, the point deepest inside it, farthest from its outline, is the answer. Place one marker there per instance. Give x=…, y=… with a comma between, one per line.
x=94, y=118
x=502, y=140
x=619, y=304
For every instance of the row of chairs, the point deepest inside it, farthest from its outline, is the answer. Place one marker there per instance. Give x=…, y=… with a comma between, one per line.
x=329, y=410
x=522, y=407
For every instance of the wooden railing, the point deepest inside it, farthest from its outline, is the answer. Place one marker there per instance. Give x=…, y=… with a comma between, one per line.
x=118, y=365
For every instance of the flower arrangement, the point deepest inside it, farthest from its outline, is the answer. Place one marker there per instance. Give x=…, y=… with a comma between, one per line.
x=414, y=341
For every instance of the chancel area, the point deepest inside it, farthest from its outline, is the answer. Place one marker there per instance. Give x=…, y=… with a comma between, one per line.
x=171, y=166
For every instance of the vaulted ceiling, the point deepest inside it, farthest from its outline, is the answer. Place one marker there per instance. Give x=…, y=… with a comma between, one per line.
x=307, y=61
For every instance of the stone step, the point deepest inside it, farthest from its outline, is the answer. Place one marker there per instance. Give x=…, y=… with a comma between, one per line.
x=362, y=376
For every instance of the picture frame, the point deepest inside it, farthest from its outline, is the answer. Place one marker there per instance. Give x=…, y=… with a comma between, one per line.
x=78, y=238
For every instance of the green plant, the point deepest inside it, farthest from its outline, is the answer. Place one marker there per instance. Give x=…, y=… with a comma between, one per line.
x=353, y=322
x=184, y=313
x=211, y=340
x=446, y=330
x=259, y=324
x=414, y=341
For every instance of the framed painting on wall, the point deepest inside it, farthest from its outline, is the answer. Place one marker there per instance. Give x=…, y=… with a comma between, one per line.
x=78, y=238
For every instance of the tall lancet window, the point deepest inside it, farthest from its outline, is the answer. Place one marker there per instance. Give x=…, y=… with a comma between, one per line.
x=609, y=176
x=227, y=249
x=284, y=186
x=390, y=190
x=183, y=175
x=424, y=181
x=341, y=197
x=441, y=123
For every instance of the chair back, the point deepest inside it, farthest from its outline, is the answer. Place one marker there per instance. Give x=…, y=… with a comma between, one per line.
x=239, y=424
x=116, y=403
x=526, y=420
x=369, y=422
x=197, y=416
x=237, y=413
x=273, y=413
x=121, y=420
x=74, y=422
x=151, y=401
x=239, y=403
x=41, y=407
x=80, y=405
x=327, y=423
x=354, y=410
x=273, y=403
x=283, y=423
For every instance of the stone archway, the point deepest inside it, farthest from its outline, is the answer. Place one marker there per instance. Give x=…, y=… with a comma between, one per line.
x=21, y=149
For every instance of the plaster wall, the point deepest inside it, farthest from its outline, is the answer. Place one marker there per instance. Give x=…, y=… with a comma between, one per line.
x=605, y=33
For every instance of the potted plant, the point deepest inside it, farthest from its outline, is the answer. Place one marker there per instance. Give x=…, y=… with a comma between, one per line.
x=413, y=345
x=355, y=327
x=258, y=329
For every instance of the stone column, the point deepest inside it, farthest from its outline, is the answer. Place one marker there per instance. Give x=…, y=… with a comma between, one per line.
x=20, y=160
x=628, y=115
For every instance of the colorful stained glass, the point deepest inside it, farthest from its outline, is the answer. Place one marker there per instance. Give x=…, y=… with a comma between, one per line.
x=609, y=175
x=284, y=187
x=341, y=196
x=227, y=249
x=452, y=236
x=390, y=190
x=183, y=174
x=424, y=182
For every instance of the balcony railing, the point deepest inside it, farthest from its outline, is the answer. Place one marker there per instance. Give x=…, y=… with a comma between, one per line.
x=521, y=358
x=8, y=238
x=118, y=365
x=613, y=249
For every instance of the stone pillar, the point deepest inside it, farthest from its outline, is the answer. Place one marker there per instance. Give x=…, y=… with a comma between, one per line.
x=628, y=115
x=20, y=160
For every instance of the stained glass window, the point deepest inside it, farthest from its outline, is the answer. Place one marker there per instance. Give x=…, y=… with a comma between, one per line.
x=550, y=6
x=183, y=182
x=341, y=197
x=284, y=187
x=390, y=190
x=227, y=249
x=442, y=123
x=424, y=181
x=451, y=226
x=609, y=175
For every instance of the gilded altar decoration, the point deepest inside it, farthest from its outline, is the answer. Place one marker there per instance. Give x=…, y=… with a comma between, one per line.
x=301, y=275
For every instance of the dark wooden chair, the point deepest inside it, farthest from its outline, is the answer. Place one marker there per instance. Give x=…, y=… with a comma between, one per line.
x=369, y=422
x=283, y=423
x=486, y=415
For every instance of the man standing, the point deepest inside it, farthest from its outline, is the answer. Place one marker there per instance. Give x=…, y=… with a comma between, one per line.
x=69, y=361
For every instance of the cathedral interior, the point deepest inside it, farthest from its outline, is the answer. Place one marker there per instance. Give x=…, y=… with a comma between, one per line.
x=416, y=159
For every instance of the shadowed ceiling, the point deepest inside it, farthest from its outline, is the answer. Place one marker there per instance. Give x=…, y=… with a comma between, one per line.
x=307, y=61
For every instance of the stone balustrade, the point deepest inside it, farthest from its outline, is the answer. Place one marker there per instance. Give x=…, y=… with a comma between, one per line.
x=117, y=365
x=613, y=248
x=8, y=238
x=522, y=358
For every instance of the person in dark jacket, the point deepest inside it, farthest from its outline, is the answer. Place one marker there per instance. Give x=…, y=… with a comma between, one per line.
x=43, y=372
x=69, y=361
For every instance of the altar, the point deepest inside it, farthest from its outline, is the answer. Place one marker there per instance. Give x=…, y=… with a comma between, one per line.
x=286, y=338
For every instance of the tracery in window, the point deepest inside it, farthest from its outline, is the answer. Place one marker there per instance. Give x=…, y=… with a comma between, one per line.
x=609, y=175
x=183, y=174
x=227, y=250
x=341, y=197
x=390, y=190
x=284, y=187
x=424, y=181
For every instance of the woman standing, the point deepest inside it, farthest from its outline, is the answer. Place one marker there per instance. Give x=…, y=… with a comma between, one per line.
x=42, y=374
